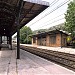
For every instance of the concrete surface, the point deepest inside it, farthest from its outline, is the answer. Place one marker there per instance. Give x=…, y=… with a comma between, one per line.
x=28, y=64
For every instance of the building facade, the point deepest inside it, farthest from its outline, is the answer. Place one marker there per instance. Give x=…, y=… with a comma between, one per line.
x=53, y=38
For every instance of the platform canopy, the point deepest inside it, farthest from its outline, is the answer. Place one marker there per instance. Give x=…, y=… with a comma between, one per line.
x=9, y=11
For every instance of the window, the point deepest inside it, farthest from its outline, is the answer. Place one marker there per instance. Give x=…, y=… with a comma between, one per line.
x=44, y=41
x=39, y=40
x=64, y=40
x=53, y=39
x=34, y=39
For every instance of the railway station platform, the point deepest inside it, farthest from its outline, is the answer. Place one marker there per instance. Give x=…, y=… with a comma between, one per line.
x=59, y=49
x=28, y=64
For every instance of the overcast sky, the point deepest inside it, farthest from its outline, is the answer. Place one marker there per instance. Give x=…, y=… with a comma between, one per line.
x=52, y=19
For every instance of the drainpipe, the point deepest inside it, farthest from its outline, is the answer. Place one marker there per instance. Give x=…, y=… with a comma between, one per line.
x=61, y=39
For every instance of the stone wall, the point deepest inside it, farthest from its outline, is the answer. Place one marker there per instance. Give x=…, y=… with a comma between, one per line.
x=46, y=41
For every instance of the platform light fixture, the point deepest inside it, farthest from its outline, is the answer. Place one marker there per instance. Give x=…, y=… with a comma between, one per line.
x=4, y=28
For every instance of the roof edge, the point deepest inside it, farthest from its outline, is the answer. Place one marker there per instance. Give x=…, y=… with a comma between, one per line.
x=39, y=2
x=64, y=32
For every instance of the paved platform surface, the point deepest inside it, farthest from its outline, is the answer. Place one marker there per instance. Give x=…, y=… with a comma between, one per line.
x=28, y=64
x=63, y=49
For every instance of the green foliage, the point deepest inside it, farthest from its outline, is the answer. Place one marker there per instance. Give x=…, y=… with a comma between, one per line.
x=58, y=27
x=25, y=33
x=69, y=38
x=40, y=31
x=70, y=19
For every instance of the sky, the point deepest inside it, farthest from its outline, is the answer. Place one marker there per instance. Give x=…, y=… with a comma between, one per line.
x=52, y=19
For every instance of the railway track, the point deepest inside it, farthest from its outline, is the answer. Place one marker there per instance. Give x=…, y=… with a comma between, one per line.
x=65, y=59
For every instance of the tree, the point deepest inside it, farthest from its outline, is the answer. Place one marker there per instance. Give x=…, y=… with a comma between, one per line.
x=70, y=18
x=25, y=33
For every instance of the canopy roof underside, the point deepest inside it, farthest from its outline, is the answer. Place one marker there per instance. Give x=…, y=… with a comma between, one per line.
x=8, y=14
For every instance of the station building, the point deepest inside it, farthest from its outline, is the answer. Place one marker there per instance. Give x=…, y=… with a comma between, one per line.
x=53, y=38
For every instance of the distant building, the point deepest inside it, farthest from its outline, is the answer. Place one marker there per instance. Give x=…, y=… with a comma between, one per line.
x=53, y=38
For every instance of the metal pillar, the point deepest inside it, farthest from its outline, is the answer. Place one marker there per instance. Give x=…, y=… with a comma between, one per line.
x=7, y=40
x=18, y=43
x=1, y=39
x=10, y=42
x=20, y=4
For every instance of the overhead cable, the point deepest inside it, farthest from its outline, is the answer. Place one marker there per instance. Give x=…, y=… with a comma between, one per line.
x=51, y=11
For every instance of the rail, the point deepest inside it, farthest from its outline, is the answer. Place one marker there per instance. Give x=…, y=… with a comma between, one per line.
x=65, y=59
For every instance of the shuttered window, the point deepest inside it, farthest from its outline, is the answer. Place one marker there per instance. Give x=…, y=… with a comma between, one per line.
x=34, y=40
x=53, y=39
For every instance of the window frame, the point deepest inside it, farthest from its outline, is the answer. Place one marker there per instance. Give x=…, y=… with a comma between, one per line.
x=34, y=39
x=53, y=39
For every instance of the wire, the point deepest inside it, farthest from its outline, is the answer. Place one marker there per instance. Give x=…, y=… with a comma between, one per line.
x=54, y=18
x=53, y=3
x=51, y=23
x=51, y=11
